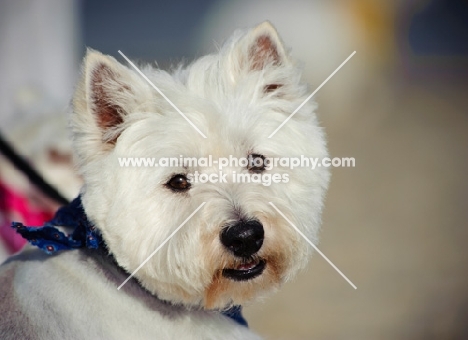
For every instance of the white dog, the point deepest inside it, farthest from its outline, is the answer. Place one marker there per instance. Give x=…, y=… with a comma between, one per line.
x=233, y=249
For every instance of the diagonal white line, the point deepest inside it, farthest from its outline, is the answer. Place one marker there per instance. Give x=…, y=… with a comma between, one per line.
x=308, y=98
x=315, y=247
x=162, y=94
x=162, y=244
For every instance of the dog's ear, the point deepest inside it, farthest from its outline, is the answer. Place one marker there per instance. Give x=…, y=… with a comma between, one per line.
x=264, y=47
x=106, y=93
x=261, y=49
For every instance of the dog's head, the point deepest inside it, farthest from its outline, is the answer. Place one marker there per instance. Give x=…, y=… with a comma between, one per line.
x=237, y=245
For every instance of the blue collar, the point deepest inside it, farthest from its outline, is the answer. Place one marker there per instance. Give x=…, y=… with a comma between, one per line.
x=84, y=235
x=50, y=239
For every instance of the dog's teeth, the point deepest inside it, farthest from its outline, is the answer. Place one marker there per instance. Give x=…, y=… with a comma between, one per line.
x=247, y=266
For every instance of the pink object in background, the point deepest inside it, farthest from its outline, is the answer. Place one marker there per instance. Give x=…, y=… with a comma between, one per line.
x=15, y=206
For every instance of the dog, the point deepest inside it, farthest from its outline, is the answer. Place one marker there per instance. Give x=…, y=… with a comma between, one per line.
x=149, y=252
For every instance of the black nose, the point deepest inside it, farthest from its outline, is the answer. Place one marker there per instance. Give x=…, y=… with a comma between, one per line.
x=244, y=238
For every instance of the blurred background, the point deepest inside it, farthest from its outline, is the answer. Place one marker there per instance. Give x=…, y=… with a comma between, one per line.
x=396, y=224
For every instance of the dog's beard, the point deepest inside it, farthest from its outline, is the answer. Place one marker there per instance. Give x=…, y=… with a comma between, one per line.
x=227, y=288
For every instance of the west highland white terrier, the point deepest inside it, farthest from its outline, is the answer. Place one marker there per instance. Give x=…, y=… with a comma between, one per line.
x=197, y=250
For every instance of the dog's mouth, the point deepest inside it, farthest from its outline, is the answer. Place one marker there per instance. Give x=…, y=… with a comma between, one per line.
x=245, y=271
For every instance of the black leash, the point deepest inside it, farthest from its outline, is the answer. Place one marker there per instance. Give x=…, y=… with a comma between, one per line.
x=19, y=163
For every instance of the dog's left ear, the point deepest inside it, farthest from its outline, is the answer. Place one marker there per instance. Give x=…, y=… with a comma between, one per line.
x=259, y=49
x=264, y=48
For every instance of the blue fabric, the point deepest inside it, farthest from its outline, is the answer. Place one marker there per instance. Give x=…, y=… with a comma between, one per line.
x=235, y=313
x=50, y=239
x=85, y=235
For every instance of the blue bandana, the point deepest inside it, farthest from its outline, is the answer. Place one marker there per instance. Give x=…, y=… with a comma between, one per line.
x=84, y=235
x=50, y=239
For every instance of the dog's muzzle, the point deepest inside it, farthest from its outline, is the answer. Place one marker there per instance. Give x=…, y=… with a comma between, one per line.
x=244, y=240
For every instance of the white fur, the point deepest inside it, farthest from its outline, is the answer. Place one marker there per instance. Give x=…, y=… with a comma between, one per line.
x=224, y=96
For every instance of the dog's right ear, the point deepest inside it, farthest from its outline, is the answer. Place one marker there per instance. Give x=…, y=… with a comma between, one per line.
x=106, y=94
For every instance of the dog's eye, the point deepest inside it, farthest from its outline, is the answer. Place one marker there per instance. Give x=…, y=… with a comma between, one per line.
x=256, y=163
x=178, y=183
